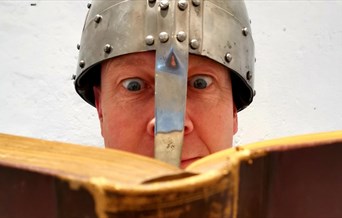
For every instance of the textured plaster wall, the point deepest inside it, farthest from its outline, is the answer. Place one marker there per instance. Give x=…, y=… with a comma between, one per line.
x=298, y=70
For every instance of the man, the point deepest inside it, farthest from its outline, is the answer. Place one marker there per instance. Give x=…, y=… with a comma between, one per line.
x=167, y=77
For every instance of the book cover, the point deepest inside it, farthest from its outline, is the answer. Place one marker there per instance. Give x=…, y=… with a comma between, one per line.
x=297, y=176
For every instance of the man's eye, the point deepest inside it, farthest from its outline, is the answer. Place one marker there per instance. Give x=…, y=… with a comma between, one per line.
x=134, y=84
x=201, y=82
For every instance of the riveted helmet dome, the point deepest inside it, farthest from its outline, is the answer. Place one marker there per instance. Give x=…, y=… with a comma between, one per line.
x=218, y=29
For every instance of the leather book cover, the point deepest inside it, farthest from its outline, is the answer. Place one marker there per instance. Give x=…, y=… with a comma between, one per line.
x=297, y=176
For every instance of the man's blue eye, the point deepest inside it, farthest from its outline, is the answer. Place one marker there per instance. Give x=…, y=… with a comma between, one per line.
x=201, y=82
x=133, y=85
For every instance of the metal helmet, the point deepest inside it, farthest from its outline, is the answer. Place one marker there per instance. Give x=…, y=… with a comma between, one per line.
x=217, y=29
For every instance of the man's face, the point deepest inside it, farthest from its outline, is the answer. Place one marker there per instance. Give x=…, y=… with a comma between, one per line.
x=125, y=104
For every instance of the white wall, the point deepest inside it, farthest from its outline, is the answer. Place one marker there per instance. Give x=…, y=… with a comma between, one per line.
x=298, y=70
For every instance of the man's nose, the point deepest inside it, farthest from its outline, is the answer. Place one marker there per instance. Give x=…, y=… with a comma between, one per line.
x=188, y=126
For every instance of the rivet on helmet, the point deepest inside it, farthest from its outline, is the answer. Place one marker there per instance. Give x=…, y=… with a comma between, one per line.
x=98, y=18
x=228, y=57
x=164, y=4
x=149, y=40
x=196, y=2
x=82, y=63
x=107, y=48
x=194, y=44
x=182, y=4
x=245, y=31
x=163, y=37
x=181, y=36
x=249, y=75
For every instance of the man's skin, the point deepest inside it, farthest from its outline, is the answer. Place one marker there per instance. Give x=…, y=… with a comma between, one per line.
x=125, y=105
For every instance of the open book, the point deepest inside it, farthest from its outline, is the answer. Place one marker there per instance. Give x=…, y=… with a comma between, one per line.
x=291, y=177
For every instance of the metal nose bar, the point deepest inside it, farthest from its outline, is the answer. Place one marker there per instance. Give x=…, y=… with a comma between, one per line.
x=171, y=69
